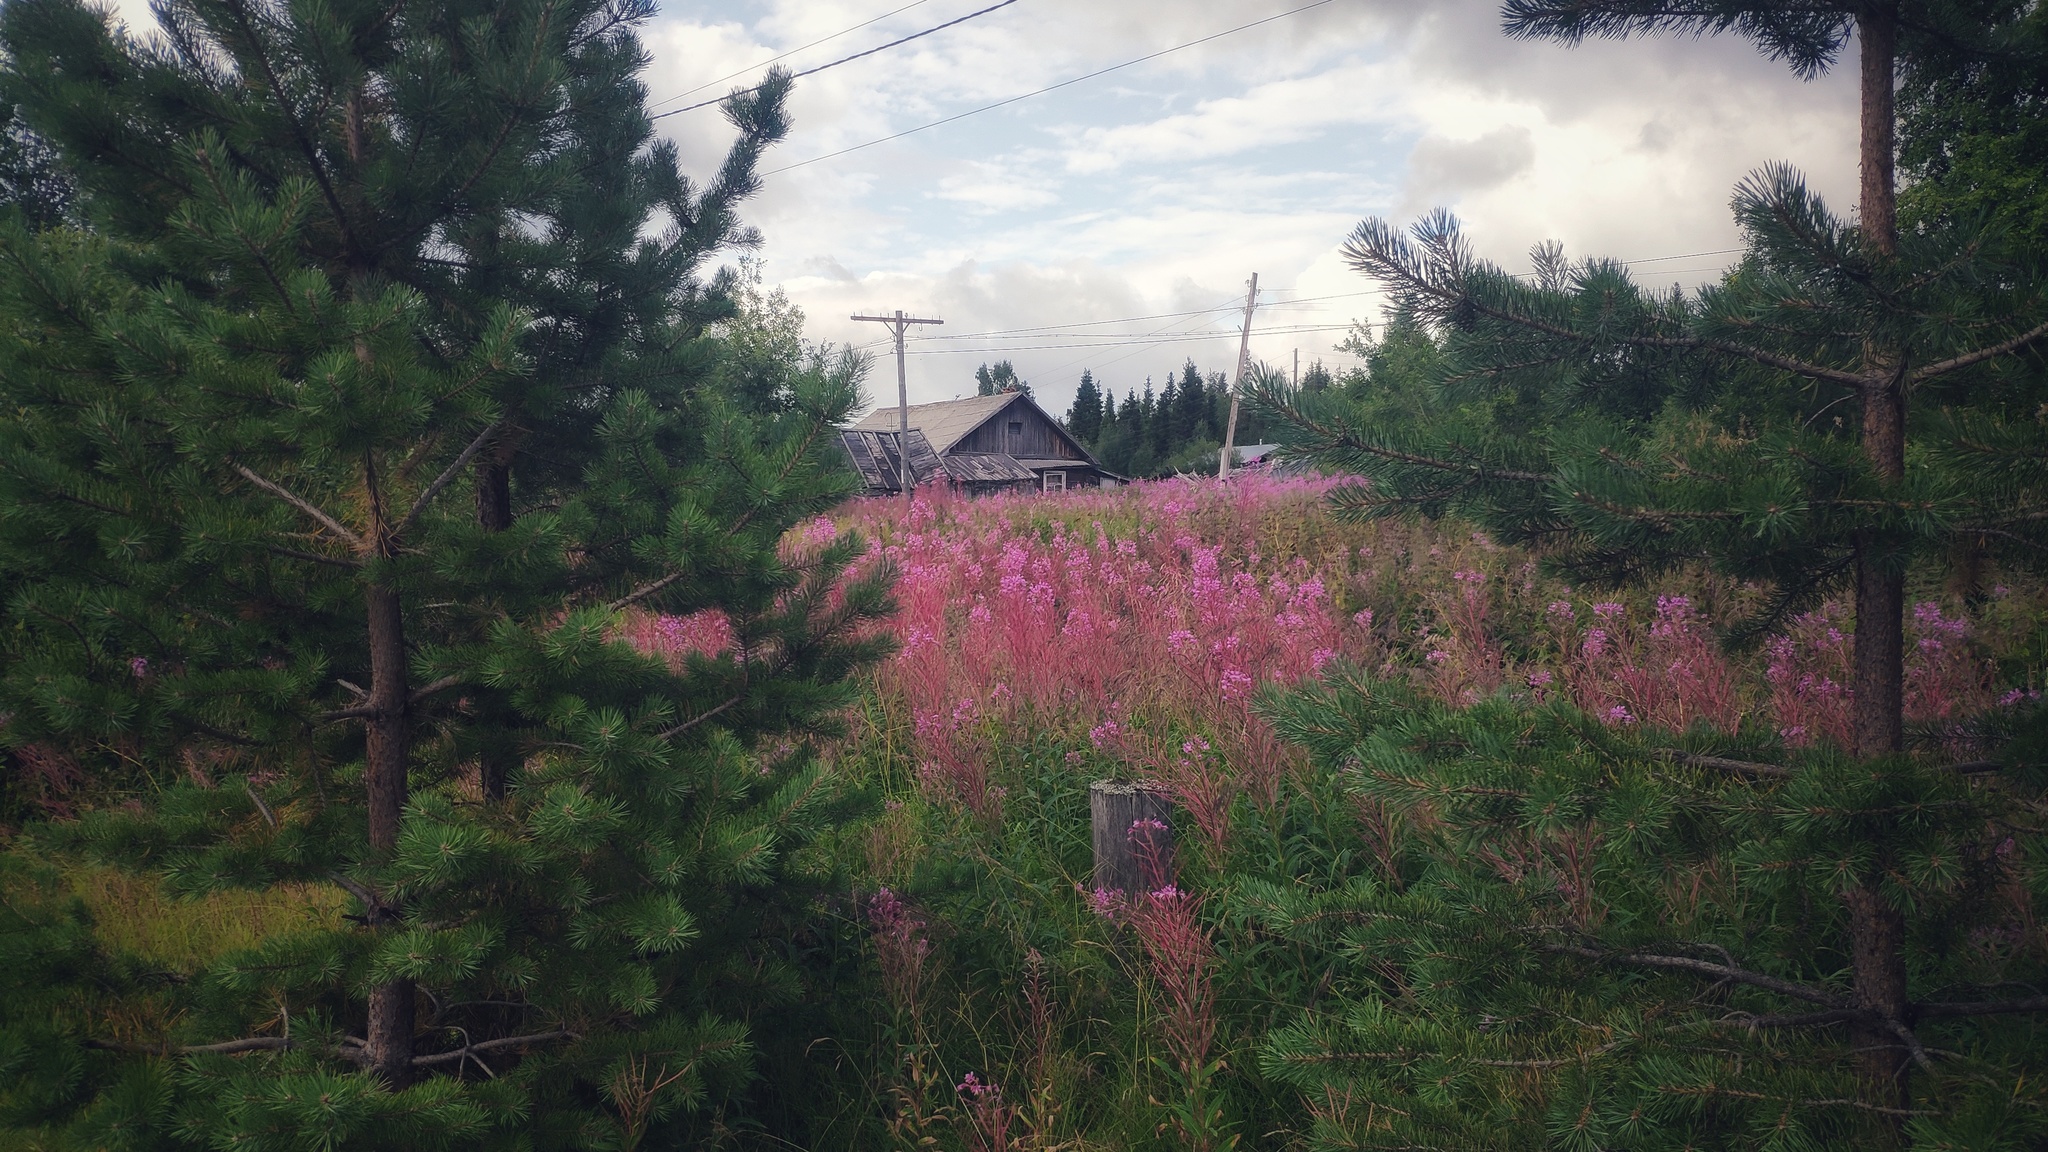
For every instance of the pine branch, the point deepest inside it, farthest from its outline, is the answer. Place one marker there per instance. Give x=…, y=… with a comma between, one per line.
x=469, y=1050
x=448, y=476
x=686, y=725
x=1707, y=968
x=1722, y=763
x=326, y=521
x=441, y=685
x=284, y=104
x=377, y=911
x=1991, y=352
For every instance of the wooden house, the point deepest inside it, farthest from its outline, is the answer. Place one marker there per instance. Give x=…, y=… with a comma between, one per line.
x=1000, y=443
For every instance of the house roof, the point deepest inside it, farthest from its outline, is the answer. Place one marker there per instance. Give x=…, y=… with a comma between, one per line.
x=945, y=423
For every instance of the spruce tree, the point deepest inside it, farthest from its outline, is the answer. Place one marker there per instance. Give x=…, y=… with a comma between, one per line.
x=343, y=263
x=1631, y=433
x=1085, y=418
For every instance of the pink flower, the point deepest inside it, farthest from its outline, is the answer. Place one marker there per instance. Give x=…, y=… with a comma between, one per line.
x=1540, y=678
x=1559, y=610
x=1619, y=714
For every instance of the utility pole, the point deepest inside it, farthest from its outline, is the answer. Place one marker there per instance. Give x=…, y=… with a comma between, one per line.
x=1244, y=353
x=1297, y=368
x=898, y=323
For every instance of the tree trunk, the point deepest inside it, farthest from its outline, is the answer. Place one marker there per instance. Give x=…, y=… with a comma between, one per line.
x=1877, y=931
x=494, y=514
x=387, y=753
x=494, y=495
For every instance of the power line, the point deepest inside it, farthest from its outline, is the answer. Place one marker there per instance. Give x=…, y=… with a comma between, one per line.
x=841, y=60
x=786, y=55
x=1048, y=88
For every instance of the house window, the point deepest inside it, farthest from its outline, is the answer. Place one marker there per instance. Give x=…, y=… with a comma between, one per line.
x=1055, y=481
x=1016, y=431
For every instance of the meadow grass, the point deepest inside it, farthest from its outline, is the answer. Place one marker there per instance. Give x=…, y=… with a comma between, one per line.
x=136, y=915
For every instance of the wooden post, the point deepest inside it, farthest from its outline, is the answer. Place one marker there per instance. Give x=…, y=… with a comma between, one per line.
x=1244, y=361
x=1127, y=862
x=897, y=324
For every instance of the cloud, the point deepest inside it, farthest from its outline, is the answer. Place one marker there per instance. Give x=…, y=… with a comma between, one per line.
x=1438, y=166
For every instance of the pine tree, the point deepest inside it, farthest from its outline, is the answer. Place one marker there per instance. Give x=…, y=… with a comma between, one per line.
x=1085, y=418
x=1577, y=935
x=1634, y=432
x=340, y=261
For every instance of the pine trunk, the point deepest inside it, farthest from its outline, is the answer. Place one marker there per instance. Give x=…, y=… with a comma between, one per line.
x=1877, y=930
x=494, y=514
x=386, y=756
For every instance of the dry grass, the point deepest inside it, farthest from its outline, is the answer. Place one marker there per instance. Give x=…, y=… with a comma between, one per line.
x=134, y=914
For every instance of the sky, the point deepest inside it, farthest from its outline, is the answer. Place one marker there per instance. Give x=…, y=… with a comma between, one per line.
x=1111, y=225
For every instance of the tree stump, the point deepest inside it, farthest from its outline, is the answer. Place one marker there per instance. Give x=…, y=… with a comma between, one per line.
x=1127, y=858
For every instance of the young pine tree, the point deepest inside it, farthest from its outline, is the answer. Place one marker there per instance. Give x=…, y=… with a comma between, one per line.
x=345, y=264
x=1849, y=401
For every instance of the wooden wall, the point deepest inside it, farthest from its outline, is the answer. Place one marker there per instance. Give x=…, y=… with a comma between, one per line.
x=1039, y=439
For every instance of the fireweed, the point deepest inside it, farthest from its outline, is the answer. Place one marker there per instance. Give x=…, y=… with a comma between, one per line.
x=1048, y=641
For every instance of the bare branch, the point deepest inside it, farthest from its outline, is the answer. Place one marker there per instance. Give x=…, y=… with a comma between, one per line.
x=269, y=817
x=468, y=1050
x=686, y=725
x=376, y=910
x=1708, y=968
x=448, y=475
x=247, y=1044
x=1723, y=764
x=326, y=521
x=441, y=685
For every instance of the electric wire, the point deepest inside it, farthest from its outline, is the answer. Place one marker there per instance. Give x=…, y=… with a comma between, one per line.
x=837, y=63
x=1047, y=88
x=785, y=55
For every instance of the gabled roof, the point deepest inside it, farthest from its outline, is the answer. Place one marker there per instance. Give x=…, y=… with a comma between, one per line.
x=948, y=422
x=945, y=423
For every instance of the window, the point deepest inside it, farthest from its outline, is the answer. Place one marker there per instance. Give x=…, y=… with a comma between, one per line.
x=1055, y=481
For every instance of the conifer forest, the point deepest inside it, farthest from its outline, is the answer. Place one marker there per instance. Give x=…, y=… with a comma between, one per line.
x=454, y=695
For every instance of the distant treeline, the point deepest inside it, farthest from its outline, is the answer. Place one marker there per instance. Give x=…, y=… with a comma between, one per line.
x=1160, y=432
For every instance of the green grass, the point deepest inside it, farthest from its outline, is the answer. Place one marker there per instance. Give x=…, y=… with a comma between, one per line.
x=135, y=915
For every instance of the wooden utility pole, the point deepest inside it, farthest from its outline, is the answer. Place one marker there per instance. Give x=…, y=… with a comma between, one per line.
x=898, y=323
x=1244, y=352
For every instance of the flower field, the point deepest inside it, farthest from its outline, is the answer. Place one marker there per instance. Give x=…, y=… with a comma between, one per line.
x=1046, y=643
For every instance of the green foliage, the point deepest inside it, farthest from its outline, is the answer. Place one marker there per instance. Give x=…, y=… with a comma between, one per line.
x=343, y=269
x=999, y=379
x=1586, y=940
x=1631, y=431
